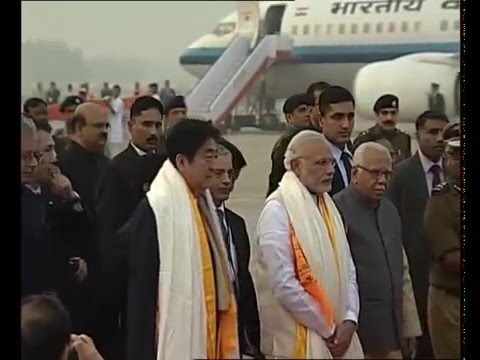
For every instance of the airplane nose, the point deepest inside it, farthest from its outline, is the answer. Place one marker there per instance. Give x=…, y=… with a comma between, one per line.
x=186, y=57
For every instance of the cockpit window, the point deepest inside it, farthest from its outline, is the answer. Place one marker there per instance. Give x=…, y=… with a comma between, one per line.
x=224, y=29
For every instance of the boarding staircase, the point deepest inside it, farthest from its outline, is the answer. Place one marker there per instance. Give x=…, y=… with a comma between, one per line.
x=226, y=82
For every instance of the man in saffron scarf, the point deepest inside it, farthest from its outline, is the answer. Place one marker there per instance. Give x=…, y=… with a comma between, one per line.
x=301, y=264
x=181, y=303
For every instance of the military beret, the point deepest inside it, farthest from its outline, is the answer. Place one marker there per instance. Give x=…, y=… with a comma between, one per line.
x=70, y=101
x=385, y=102
x=176, y=102
x=451, y=131
x=297, y=100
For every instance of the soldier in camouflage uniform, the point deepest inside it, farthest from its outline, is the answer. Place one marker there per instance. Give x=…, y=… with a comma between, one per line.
x=442, y=225
x=386, y=111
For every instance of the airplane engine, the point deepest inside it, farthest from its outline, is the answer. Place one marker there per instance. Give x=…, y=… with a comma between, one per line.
x=409, y=79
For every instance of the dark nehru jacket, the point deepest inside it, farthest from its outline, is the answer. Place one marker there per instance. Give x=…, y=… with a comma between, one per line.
x=374, y=236
x=143, y=263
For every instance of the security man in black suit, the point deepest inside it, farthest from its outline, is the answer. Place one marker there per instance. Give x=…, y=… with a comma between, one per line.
x=237, y=244
x=409, y=189
x=82, y=163
x=297, y=109
x=337, y=110
x=386, y=111
x=123, y=185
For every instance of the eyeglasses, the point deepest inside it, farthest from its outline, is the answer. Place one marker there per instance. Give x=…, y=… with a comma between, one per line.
x=376, y=172
x=31, y=155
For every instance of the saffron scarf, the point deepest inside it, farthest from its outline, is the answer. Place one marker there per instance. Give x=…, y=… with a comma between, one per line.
x=321, y=256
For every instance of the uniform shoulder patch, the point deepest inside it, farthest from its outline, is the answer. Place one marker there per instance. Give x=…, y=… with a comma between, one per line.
x=440, y=189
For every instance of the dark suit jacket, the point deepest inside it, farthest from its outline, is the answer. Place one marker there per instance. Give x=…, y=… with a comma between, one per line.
x=121, y=188
x=143, y=264
x=408, y=191
x=249, y=324
x=83, y=170
x=142, y=295
x=41, y=267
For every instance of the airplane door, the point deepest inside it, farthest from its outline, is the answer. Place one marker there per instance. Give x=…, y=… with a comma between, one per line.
x=248, y=19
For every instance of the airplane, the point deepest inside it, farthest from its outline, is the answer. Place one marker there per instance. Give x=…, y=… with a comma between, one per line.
x=371, y=47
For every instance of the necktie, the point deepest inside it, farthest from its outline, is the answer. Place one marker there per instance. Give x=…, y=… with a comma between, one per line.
x=346, y=163
x=435, y=171
x=225, y=234
x=221, y=219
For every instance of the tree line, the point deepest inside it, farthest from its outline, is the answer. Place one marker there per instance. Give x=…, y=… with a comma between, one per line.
x=45, y=61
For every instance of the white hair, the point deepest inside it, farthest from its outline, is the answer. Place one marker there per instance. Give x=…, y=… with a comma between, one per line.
x=295, y=146
x=222, y=150
x=27, y=126
x=361, y=152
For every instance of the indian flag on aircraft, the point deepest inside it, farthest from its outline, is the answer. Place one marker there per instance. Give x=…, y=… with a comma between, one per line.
x=301, y=11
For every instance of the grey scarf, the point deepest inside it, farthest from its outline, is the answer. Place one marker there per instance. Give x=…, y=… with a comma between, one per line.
x=218, y=251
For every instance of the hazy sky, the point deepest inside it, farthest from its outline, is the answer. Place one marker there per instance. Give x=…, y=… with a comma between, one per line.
x=147, y=30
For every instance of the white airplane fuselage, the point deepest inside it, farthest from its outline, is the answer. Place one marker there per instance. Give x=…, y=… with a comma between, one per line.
x=333, y=40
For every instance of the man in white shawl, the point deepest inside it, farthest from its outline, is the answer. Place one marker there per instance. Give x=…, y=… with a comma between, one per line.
x=181, y=303
x=301, y=264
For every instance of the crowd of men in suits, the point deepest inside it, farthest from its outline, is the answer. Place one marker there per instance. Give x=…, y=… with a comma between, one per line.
x=89, y=231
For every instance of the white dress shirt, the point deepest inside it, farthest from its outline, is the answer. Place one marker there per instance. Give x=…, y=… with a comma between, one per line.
x=337, y=153
x=274, y=244
x=139, y=151
x=427, y=164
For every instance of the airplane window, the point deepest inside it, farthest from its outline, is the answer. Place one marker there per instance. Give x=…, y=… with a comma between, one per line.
x=294, y=30
x=404, y=26
x=379, y=27
x=391, y=27
x=366, y=28
x=317, y=29
x=417, y=26
x=444, y=25
x=224, y=29
x=456, y=24
x=306, y=29
x=354, y=28
x=329, y=29
x=341, y=29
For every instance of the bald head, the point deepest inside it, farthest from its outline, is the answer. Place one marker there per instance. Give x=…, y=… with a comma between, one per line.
x=308, y=156
x=89, y=109
x=372, y=170
x=366, y=151
x=90, y=125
